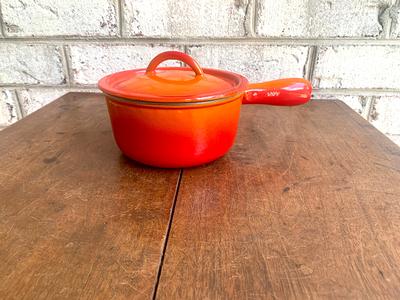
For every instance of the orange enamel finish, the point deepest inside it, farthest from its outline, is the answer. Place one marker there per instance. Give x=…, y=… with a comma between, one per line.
x=172, y=137
x=177, y=117
x=173, y=84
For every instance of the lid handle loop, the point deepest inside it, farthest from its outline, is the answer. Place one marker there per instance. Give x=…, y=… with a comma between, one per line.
x=176, y=55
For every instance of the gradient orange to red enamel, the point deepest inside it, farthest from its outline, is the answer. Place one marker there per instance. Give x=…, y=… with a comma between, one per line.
x=173, y=137
x=282, y=92
x=177, y=117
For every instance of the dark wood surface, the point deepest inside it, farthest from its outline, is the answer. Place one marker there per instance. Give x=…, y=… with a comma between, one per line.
x=305, y=205
x=77, y=219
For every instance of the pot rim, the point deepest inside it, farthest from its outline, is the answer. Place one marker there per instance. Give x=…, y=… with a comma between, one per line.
x=138, y=102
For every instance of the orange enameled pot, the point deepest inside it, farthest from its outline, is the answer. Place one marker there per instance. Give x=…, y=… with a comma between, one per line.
x=185, y=116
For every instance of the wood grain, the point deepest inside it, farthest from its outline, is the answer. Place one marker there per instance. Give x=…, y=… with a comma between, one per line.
x=77, y=219
x=306, y=205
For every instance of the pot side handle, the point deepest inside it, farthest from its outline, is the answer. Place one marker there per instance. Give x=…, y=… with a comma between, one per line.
x=282, y=92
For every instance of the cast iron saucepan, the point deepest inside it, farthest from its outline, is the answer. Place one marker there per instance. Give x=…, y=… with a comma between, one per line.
x=176, y=117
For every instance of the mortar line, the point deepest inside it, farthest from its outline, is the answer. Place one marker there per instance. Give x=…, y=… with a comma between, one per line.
x=185, y=49
x=68, y=40
x=2, y=30
x=316, y=91
x=39, y=86
x=334, y=91
x=388, y=32
x=120, y=16
x=20, y=112
x=370, y=108
x=397, y=3
x=167, y=234
x=255, y=16
x=248, y=20
x=337, y=91
x=66, y=64
x=310, y=63
x=366, y=92
x=385, y=29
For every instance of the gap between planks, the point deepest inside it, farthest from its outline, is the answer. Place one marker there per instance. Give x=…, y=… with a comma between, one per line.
x=167, y=232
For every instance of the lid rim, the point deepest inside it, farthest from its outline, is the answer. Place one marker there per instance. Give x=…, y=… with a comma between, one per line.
x=106, y=87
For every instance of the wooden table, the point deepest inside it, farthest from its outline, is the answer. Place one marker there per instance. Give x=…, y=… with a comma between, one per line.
x=305, y=205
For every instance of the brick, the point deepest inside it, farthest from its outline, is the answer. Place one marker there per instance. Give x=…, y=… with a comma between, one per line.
x=31, y=64
x=54, y=17
x=357, y=67
x=167, y=18
x=324, y=18
x=33, y=99
x=385, y=114
x=91, y=62
x=256, y=62
x=8, y=107
x=360, y=104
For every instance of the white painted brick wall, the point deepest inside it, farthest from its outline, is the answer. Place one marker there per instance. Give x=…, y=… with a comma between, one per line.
x=30, y=64
x=320, y=18
x=8, y=107
x=59, y=17
x=349, y=49
x=91, y=62
x=358, y=67
x=360, y=104
x=33, y=99
x=257, y=63
x=171, y=18
x=385, y=114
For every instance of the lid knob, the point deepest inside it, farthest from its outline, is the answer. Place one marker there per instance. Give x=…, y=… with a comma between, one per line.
x=176, y=55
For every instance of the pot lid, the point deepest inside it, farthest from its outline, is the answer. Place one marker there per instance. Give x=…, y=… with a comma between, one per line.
x=173, y=84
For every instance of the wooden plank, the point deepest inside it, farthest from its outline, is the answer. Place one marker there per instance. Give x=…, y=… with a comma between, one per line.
x=306, y=205
x=77, y=219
